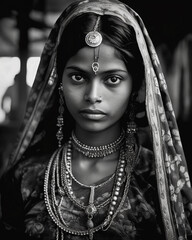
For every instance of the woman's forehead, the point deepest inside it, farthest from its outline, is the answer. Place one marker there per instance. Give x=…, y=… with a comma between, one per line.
x=106, y=55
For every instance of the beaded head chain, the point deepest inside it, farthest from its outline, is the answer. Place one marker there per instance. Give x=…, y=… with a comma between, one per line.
x=94, y=39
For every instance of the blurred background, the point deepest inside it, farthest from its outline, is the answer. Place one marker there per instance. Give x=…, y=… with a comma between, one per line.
x=25, y=25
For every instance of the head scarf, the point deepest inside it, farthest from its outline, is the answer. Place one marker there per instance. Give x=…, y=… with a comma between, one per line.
x=174, y=188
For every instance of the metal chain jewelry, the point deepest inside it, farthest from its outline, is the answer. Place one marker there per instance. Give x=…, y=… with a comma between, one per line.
x=95, y=64
x=94, y=39
x=68, y=168
x=68, y=177
x=60, y=121
x=97, y=151
x=57, y=182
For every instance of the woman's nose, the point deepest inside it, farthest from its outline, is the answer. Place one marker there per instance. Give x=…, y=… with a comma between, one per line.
x=92, y=93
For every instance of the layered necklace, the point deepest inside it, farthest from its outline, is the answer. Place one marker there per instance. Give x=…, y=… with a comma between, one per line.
x=58, y=184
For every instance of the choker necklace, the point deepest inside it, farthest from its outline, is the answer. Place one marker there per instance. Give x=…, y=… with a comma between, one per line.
x=97, y=151
x=58, y=186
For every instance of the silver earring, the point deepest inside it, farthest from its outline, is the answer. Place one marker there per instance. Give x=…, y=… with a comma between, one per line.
x=60, y=121
x=131, y=128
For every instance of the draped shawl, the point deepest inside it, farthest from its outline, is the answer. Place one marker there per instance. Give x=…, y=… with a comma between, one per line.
x=174, y=190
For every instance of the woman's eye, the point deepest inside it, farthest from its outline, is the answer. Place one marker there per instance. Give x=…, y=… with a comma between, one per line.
x=114, y=80
x=77, y=78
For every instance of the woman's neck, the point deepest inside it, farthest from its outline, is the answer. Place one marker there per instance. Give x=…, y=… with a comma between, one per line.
x=98, y=138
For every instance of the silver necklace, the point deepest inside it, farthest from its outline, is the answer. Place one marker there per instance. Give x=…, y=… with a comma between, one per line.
x=68, y=177
x=97, y=151
x=54, y=181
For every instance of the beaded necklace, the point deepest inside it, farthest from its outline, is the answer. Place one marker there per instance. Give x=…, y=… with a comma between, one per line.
x=97, y=151
x=57, y=182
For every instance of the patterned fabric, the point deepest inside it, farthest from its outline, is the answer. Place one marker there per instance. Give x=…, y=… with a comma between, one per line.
x=173, y=183
x=138, y=216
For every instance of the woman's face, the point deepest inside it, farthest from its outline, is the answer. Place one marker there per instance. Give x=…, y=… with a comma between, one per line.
x=96, y=101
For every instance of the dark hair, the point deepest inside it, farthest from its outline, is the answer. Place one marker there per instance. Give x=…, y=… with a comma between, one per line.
x=115, y=33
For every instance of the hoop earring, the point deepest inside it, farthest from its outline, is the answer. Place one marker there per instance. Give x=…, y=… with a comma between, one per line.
x=60, y=121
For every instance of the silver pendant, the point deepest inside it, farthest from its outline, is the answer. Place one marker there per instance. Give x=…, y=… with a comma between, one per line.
x=95, y=67
x=93, y=39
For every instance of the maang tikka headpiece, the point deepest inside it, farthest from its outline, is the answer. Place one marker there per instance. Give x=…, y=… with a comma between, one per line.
x=94, y=39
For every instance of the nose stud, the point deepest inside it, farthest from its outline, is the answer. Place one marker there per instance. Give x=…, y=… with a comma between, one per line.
x=100, y=99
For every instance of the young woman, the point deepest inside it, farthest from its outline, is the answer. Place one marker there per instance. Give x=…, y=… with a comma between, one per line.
x=99, y=155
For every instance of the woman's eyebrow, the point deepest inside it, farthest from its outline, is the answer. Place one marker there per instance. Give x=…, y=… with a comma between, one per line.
x=75, y=68
x=114, y=70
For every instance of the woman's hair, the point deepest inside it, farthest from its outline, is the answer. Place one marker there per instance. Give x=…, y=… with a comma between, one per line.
x=115, y=33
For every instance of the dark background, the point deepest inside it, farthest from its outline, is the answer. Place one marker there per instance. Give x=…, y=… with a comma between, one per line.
x=167, y=21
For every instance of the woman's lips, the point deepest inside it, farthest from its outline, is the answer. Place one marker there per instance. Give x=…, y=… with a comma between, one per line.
x=92, y=114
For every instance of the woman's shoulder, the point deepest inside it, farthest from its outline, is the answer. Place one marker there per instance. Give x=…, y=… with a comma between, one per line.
x=28, y=167
x=26, y=178
x=145, y=152
x=145, y=162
